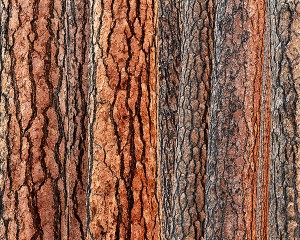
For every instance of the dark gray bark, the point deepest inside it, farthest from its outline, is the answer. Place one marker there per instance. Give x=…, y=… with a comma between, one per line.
x=169, y=62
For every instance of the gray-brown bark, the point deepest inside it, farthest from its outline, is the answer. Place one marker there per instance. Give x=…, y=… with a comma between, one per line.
x=192, y=129
x=185, y=47
x=284, y=186
x=169, y=62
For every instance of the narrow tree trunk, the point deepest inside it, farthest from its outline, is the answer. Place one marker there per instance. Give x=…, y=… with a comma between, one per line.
x=123, y=198
x=234, y=122
x=193, y=108
x=169, y=61
x=284, y=208
x=43, y=106
x=184, y=83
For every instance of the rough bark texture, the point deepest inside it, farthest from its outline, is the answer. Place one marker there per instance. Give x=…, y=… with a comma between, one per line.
x=43, y=119
x=169, y=60
x=144, y=119
x=234, y=121
x=284, y=209
x=185, y=54
x=192, y=129
x=123, y=197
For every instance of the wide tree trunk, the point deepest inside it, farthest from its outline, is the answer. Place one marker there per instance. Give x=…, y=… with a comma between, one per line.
x=139, y=119
x=43, y=119
x=123, y=198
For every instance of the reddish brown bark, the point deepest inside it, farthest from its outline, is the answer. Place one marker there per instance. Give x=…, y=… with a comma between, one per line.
x=234, y=123
x=43, y=106
x=123, y=197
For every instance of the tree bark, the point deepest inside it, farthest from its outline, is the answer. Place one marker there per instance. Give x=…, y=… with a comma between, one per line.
x=142, y=119
x=169, y=61
x=123, y=195
x=192, y=129
x=185, y=53
x=284, y=185
x=43, y=119
x=235, y=120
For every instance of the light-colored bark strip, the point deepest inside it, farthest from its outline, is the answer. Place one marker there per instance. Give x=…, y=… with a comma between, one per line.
x=123, y=200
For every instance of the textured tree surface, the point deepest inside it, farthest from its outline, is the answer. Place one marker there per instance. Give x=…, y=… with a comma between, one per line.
x=123, y=197
x=43, y=119
x=142, y=119
x=169, y=59
x=234, y=120
x=284, y=201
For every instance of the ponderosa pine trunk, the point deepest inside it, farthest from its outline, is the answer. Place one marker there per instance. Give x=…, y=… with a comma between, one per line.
x=233, y=151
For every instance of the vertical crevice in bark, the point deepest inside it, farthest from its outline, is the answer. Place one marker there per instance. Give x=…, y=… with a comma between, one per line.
x=284, y=184
x=123, y=196
x=265, y=138
x=76, y=67
x=42, y=181
x=234, y=120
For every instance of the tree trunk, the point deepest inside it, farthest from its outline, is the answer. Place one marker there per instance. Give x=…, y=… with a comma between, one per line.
x=123, y=196
x=192, y=129
x=284, y=186
x=233, y=151
x=43, y=119
x=169, y=60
